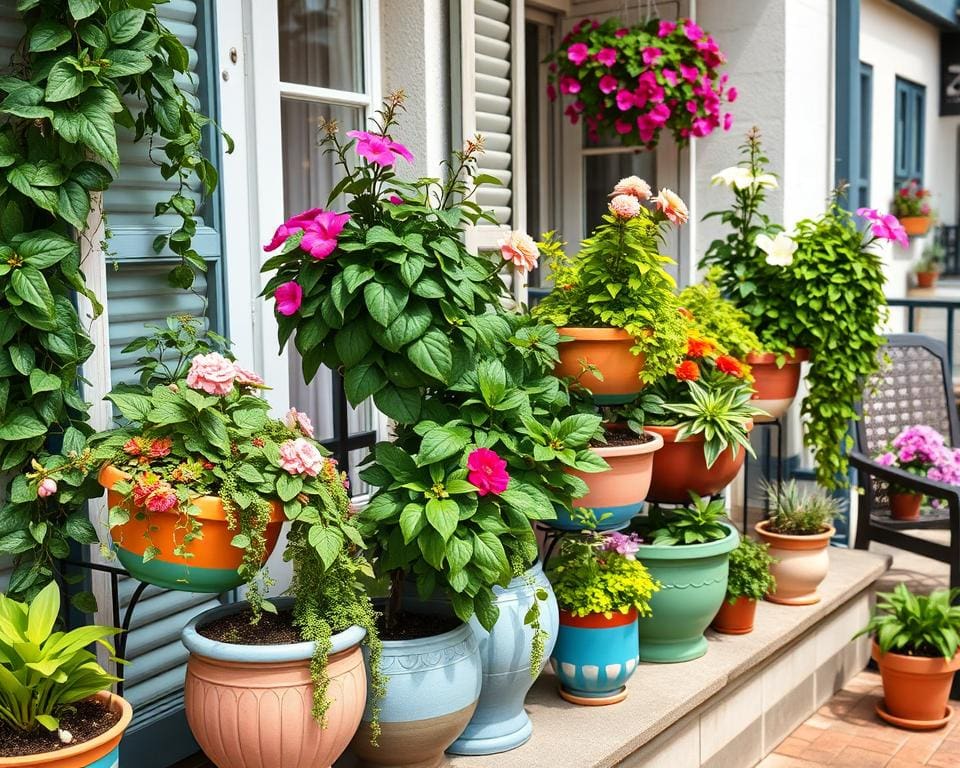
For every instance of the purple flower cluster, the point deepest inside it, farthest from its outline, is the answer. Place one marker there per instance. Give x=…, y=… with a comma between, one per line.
x=626, y=544
x=922, y=451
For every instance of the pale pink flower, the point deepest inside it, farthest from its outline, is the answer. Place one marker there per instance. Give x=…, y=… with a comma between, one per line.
x=47, y=487
x=488, y=472
x=289, y=297
x=300, y=457
x=247, y=378
x=294, y=419
x=379, y=150
x=670, y=204
x=519, y=248
x=212, y=373
x=632, y=185
x=624, y=206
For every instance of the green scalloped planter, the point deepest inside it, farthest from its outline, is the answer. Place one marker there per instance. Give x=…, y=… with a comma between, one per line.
x=694, y=583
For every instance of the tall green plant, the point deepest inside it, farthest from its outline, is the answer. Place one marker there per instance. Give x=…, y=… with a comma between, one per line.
x=61, y=103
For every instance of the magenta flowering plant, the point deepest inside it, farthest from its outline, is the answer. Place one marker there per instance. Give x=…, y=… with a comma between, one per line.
x=385, y=291
x=922, y=451
x=631, y=83
x=912, y=200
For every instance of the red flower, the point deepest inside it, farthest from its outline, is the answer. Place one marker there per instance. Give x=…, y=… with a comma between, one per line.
x=207, y=464
x=730, y=365
x=258, y=442
x=160, y=447
x=687, y=371
x=699, y=347
x=144, y=487
x=487, y=471
x=162, y=498
x=132, y=447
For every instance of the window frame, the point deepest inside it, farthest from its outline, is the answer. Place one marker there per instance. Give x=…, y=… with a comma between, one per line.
x=909, y=139
x=862, y=182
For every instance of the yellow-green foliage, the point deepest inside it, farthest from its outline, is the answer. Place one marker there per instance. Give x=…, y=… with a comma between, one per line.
x=718, y=318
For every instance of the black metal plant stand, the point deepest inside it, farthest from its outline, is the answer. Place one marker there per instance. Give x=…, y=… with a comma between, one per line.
x=768, y=428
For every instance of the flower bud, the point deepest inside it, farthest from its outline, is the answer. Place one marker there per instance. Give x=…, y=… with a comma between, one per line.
x=47, y=487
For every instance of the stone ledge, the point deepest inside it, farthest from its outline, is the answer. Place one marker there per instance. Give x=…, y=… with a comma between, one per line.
x=791, y=646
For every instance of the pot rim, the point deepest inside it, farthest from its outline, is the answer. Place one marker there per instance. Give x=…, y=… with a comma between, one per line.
x=259, y=654
x=917, y=665
x=583, y=333
x=691, y=551
x=788, y=538
x=669, y=433
x=113, y=734
x=597, y=620
x=800, y=355
x=638, y=449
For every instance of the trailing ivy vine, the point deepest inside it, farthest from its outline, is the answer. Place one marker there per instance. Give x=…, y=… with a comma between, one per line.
x=70, y=85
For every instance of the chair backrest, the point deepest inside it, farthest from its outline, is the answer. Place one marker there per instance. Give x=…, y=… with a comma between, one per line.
x=913, y=386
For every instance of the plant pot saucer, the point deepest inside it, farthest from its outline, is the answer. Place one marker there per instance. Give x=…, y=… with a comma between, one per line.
x=912, y=725
x=738, y=631
x=799, y=600
x=593, y=701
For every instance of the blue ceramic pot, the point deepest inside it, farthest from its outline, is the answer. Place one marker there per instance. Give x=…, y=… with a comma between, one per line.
x=595, y=656
x=500, y=722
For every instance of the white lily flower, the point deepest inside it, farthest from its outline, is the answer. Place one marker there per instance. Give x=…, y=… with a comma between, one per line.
x=767, y=180
x=734, y=176
x=779, y=249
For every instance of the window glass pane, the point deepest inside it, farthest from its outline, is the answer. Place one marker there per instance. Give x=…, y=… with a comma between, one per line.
x=602, y=172
x=320, y=43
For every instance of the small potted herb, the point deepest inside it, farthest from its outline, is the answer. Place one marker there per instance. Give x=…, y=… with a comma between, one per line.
x=914, y=642
x=798, y=533
x=749, y=580
x=56, y=708
x=921, y=451
x=927, y=269
x=601, y=589
x=911, y=205
x=686, y=549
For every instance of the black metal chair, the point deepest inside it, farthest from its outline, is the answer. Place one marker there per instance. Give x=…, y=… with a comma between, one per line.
x=914, y=386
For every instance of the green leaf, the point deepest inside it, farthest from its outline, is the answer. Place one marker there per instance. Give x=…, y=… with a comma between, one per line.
x=328, y=542
x=132, y=406
x=124, y=25
x=91, y=176
x=41, y=381
x=400, y=404
x=432, y=355
x=409, y=326
x=31, y=286
x=79, y=528
x=442, y=442
x=443, y=515
x=353, y=343
x=362, y=381
x=73, y=203
x=432, y=547
x=80, y=9
x=215, y=430
x=412, y=521
x=123, y=63
x=64, y=81
x=249, y=419
x=288, y=486
x=356, y=275
x=384, y=302
x=45, y=248
x=47, y=35
x=488, y=553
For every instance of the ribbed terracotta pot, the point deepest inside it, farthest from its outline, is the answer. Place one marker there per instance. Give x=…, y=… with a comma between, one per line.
x=620, y=491
x=735, y=618
x=915, y=688
x=926, y=279
x=775, y=387
x=905, y=506
x=916, y=226
x=679, y=467
x=102, y=751
x=249, y=706
x=608, y=349
x=213, y=566
x=801, y=564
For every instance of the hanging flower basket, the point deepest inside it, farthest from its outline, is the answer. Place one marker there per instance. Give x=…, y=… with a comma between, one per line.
x=629, y=83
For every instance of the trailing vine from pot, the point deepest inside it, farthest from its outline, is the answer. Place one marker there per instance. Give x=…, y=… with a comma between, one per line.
x=62, y=99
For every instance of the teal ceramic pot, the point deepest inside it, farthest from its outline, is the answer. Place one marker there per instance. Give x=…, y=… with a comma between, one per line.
x=595, y=656
x=693, y=582
x=500, y=722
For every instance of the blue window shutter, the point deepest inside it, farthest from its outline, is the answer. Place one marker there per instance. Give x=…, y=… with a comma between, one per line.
x=909, y=127
x=860, y=194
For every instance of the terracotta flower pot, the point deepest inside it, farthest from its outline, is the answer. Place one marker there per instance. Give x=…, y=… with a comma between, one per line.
x=905, y=506
x=250, y=705
x=680, y=467
x=915, y=688
x=735, y=618
x=619, y=492
x=101, y=751
x=775, y=387
x=916, y=226
x=926, y=279
x=802, y=564
x=213, y=566
x=608, y=349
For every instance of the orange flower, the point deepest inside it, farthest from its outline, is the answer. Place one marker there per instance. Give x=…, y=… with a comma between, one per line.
x=697, y=347
x=687, y=371
x=730, y=365
x=685, y=313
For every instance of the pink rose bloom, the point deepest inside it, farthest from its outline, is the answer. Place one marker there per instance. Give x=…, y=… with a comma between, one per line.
x=666, y=28
x=607, y=56
x=624, y=206
x=519, y=248
x=320, y=238
x=732, y=95
x=379, y=150
x=608, y=84
x=300, y=457
x=47, y=487
x=632, y=185
x=622, y=126
x=289, y=297
x=650, y=55
x=247, y=378
x=692, y=30
x=212, y=373
x=294, y=419
x=487, y=471
x=622, y=32
x=578, y=53
x=670, y=204
x=669, y=75
x=569, y=85
x=625, y=100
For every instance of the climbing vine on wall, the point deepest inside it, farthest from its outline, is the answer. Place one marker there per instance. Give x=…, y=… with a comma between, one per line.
x=83, y=70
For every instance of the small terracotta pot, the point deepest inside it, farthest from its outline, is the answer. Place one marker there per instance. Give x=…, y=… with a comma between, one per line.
x=618, y=492
x=679, y=467
x=905, y=506
x=608, y=349
x=99, y=752
x=926, y=279
x=213, y=566
x=916, y=226
x=774, y=388
x=915, y=688
x=736, y=618
x=801, y=564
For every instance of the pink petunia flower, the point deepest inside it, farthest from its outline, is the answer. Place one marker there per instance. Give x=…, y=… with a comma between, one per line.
x=212, y=373
x=727, y=121
x=551, y=92
x=487, y=471
x=625, y=100
x=395, y=199
x=607, y=56
x=666, y=28
x=622, y=32
x=622, y=126
x=650, y=55
x=692, y=30
x=291, y=226
x=289, y=297
x=689, y=73
x=669, y=75
x=578, y=53
x=732, y=95
x=320, y=237
x=569, y=85
x=608, y=84
x=379, y=150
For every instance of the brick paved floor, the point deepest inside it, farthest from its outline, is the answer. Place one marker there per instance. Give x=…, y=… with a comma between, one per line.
x=846, y=733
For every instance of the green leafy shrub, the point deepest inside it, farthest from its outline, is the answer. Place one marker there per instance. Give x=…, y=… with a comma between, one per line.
x=750, y=575
x=697, y=523
x=916, y=625
x=718, y=318
x=795, y=512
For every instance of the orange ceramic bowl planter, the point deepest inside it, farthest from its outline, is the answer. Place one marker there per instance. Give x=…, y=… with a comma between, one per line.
x=736, y=618
x=775, y=387
x=607, y=349
x=679, y=467
x=213, y=566
x=802, y=564
x=916, y=226
x=905, y=506
x=915, y=689
x=99, y=752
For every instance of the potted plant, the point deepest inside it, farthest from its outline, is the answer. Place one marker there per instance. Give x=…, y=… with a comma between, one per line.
x=56, y=708
x=911, y=205
x=921, y=451
x=914, y=642
x=749, y=580
x=927, y=269
x=628, y=83
x=798, y=533
x=686, y=550
x=614, y=302
x=602, y=589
